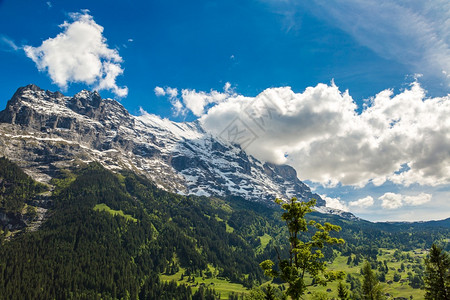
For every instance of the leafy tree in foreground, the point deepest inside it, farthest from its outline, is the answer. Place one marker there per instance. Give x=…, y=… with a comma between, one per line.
x=437, y=274
x=371, y=286
x=305, y=257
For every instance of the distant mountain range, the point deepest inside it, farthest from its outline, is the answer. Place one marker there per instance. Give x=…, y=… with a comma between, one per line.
x=45, y=131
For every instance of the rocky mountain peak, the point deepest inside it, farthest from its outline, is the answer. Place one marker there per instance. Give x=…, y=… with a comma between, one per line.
x=30, y=87
x=86, y=103
x=85, y=99
x=44, y=131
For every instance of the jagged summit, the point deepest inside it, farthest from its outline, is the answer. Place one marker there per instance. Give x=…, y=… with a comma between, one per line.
x=85, y=100
x=44, y=131
x=31, y=87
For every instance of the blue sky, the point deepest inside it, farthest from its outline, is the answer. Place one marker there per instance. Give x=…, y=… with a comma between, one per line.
x=204, y=59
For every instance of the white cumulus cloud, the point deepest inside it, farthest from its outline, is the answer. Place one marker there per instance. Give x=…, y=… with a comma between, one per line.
x=79, y=54
x=159, y=91
x=197, y=101
x=194, y=101
x=393, y=201
x=362, y=203
x=172, y=94
x=335, y=203
x=401, y=138
x=420, y=199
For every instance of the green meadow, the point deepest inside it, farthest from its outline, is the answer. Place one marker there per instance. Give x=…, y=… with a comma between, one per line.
x=104, y=207
x=401, y=288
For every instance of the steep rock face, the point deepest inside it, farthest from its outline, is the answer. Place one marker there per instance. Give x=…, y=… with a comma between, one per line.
x=43, y=131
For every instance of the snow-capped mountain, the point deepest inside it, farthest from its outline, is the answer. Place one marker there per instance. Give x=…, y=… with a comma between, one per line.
x=43, y=131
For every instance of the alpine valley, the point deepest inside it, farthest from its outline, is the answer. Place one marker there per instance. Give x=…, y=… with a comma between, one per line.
x=96, y=203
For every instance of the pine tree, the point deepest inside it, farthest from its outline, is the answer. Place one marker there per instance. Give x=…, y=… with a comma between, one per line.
x=437, y=274
x=371, y=286
x=270, y=293
x=342, y=291
x=349, y=260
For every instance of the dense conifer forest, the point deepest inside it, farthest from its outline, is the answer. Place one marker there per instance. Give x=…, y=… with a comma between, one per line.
x=111, y=236
x=15, y=187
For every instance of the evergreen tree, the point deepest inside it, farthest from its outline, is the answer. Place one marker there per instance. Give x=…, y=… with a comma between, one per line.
x=382, y=277
x=305, y=257
x=349, y=260
x=371, y=287
x=342, y=291
x=437, y=274
x=270, y=293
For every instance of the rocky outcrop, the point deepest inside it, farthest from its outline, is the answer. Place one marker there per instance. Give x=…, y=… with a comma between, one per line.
x=12, y=221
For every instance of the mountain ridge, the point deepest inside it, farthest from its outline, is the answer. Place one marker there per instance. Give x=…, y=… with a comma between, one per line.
x=44, y=131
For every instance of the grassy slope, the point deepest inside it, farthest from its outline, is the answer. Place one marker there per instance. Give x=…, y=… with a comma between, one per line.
x=104, y=207
x=396, y=289
x=221, y=285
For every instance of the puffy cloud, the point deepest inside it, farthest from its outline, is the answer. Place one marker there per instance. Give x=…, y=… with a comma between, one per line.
x=168, y=91
x=393, y=201
x=420, y=199
x=172, y=93
x=362, y=203
x=335, y=203
x=79, y=54
x=192, y=100
x=403, y=138
x=197, y=101
x=159, y=91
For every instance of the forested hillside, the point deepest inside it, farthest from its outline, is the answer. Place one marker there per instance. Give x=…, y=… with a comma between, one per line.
x=111, y=236
x=16, y=187
x=81, y=251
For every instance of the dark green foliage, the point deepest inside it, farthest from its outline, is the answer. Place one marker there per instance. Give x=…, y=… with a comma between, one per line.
x=270, y=293
x=154, y=289
x=205, y=294
x=349, y=260
x=416, y=281
x=437, y=274
x=363, y=239
x=371, y=288
x=382, y=277
x=342, y=291
x=355, y=286
x=235, y=296
x=78, y=253
x=81, y=253
x=16, y=187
